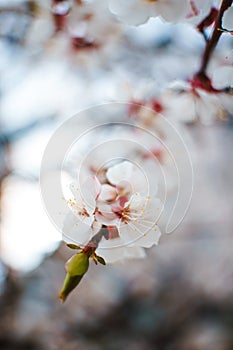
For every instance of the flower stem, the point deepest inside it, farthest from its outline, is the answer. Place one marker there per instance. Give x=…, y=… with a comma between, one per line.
x=92, y=245
x=213, y=40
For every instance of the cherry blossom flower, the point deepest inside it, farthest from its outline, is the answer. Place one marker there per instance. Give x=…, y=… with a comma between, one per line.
x=134, y=227
x=121, y=207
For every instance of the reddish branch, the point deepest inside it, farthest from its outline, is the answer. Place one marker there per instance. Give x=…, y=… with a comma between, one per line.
x=212, y=42
x=200, y=79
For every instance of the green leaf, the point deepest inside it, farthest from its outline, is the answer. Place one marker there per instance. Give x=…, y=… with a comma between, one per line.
x=69, y=284
x=100, y=260
x=73, y=246
x=78, y=264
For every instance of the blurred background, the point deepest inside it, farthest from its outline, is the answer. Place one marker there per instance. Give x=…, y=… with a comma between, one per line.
x=181, y=296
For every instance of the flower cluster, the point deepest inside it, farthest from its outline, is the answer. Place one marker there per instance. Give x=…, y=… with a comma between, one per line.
x=72, y=26
x=113, y=215
x=136, y=12
x=187, y=101
x=121, y=207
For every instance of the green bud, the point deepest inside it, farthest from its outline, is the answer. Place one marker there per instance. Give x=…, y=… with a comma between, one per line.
x=78, y=264
x=69, y=284
x=76, y=267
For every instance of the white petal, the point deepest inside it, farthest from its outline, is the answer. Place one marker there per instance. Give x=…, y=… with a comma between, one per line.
x=135, y=231
x=145, y=210
x=124, y=189
x=227, y=20
x=115, y=250
x=136, y=202
x=227, y=102
x=120, y=172
x=223, y=76
x=128, y=175
x=84, y=196
x=132, y=12
x=152, y=212
x=129, y=233
x=180, y=103
x=171, y=10
x=105, y=216
x=111, y=255
x=111, y=250
x=76, y=193
x=208, y=107
x=119, y=7
x=90, y=191
x=134, y=252
x=76, y=231
x=138, y=17
x=108, y=193
x=150, y=238
x=132, y=236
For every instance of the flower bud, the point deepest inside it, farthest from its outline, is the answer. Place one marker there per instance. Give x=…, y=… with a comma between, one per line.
x=78, y=264
x=76, y=267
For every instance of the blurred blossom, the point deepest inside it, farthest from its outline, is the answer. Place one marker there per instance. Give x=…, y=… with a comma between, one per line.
x=135, y=12
x=227, y=21
x=223, y=76
x=186, y=104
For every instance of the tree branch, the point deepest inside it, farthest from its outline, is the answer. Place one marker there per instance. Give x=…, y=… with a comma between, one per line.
x=212, y=42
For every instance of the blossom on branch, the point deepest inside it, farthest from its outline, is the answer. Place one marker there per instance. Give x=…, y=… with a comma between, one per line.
x=122, y=208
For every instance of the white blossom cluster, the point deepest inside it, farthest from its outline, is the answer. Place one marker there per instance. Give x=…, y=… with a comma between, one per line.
x=182, y=102
x=116, y=202
x=120, y=205
x=136, y=12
